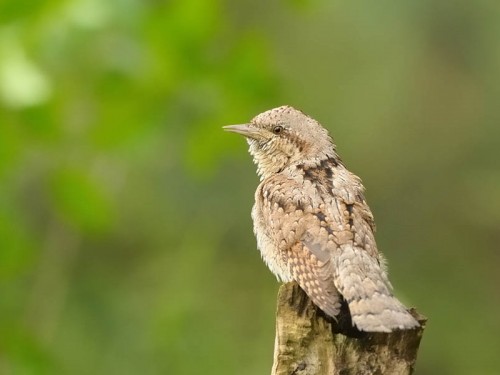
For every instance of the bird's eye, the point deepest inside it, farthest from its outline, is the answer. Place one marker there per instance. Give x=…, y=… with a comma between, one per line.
x=277, y=129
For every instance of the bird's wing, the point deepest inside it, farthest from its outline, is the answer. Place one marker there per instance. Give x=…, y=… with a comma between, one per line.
x=329, y=247
x=291, y=224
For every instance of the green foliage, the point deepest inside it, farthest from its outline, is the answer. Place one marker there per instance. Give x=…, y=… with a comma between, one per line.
x=79, y=201
x=125, y=237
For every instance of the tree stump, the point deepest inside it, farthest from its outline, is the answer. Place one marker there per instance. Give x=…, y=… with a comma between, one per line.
x=308, y=342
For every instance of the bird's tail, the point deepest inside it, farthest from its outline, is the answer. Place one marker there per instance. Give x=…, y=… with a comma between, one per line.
x=363, y=283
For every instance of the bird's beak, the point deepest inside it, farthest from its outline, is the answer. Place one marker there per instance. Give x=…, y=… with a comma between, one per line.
x=246, y=130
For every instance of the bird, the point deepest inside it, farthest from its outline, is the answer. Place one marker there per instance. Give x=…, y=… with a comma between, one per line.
x=312, y=222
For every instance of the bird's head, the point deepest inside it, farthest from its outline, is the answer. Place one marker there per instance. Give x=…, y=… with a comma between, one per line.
x=282, y=137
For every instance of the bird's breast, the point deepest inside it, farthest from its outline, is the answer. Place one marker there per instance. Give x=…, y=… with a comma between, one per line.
x=266, y=242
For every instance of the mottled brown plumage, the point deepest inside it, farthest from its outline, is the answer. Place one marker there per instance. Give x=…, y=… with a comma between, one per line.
x=313, y=224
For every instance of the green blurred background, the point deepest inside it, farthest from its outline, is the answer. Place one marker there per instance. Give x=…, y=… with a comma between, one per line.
x=125, y=233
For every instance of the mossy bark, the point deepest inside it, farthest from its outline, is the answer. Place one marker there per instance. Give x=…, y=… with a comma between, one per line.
x=310, y=343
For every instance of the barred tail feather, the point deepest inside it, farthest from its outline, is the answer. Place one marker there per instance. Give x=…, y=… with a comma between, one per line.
x=365, y=287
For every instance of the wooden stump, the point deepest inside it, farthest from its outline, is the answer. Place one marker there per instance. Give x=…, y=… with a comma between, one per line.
x=310, y=343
